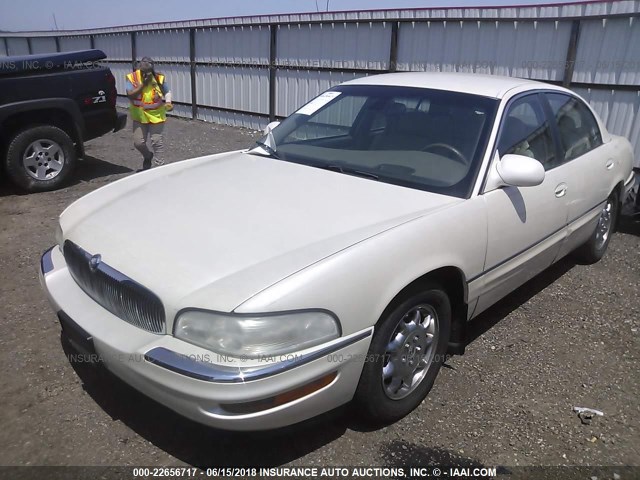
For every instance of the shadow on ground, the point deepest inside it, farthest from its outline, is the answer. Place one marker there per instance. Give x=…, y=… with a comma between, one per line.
x=629, y=225
x=91, y=168
x=517, y=298
x=87, y=169
x=196, y=444
x=403, y=454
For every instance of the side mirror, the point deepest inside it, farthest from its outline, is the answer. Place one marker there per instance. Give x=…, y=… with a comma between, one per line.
x=270, y=127
x=520, y=171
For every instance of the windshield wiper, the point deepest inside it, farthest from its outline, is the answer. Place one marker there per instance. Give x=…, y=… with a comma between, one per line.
x=348, y=171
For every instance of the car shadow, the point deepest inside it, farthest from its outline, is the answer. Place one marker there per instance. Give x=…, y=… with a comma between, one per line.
x=87, y=169
x=203, y=446
x=197, y=444
x=497, y=312
x=629, y=225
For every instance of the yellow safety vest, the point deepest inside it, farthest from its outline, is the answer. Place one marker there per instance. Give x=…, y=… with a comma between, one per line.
x=148, y=106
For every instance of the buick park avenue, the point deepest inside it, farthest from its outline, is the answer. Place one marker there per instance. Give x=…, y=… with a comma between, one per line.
x=340, y=258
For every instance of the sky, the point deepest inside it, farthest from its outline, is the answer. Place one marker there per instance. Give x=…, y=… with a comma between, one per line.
x=25, y=15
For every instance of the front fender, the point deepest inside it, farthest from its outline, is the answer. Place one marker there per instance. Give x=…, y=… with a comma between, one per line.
x=358, y=283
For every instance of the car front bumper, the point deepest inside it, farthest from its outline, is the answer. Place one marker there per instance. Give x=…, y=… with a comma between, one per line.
x=189, y=379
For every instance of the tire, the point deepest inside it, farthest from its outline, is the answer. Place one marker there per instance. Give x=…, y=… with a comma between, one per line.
x=40, y=158
x=594, y=249
x=378, y=398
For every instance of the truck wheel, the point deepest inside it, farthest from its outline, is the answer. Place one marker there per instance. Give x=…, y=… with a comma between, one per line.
x=40, y=158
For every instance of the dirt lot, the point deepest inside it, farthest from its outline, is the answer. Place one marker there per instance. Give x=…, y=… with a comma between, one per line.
x=568, y=338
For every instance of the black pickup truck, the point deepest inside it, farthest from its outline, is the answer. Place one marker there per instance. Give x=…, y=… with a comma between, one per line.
x=49, y=106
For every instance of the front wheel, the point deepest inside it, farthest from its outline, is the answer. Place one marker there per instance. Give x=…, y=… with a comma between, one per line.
x=406, y=353
x=593, y=250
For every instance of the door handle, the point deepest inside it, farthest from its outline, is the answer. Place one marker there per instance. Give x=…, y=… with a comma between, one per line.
x=610, y=164
x=561, y=190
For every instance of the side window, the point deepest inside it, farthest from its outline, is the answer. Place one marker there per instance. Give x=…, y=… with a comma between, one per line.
x=578, y=129
x=525, y=131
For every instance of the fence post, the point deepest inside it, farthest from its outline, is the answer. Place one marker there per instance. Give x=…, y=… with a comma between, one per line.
x=393, y=48
x=57, y=39
x=92, y=42
x=29, y=45
x=134, y=54
x=192, y=63
x=6, y=46
x=273, y=29
x=572, y=51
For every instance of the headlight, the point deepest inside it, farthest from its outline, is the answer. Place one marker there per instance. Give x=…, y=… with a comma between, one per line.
x=259, y=335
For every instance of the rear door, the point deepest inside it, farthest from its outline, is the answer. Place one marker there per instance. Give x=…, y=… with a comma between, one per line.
x=526, y=225
x=588, y=164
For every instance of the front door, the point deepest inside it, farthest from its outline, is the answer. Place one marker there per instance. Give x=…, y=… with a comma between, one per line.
x=526, y=225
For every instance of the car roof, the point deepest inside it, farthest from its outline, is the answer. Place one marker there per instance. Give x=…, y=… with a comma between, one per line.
x=493, y=86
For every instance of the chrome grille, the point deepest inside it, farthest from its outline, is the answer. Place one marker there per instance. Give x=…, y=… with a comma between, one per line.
x=116, y=292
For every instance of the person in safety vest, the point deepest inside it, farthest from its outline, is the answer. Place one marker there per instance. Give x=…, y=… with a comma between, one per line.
x=150, y=98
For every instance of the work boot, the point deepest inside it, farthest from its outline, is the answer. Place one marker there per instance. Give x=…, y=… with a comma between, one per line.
x=146, y=165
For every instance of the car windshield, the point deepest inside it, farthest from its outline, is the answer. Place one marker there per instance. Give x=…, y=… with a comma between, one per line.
x=415, y=137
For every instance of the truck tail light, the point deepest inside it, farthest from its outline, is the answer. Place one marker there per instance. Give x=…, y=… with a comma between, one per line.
x=112, y=92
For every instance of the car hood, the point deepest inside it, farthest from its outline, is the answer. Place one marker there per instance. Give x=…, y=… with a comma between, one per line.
x=213, y=231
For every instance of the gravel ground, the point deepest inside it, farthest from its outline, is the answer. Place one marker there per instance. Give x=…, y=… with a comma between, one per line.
x=568, y=338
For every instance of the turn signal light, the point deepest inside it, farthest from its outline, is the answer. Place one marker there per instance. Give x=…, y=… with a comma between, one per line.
x=281, y=399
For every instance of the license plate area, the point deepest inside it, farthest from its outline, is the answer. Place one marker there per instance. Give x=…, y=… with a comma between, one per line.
x=79, y=339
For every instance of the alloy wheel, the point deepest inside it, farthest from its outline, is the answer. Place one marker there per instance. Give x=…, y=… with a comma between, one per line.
x=43, y=159
x=410, y=351
x=604, y=225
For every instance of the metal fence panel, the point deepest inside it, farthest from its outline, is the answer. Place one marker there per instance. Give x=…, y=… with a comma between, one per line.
x=294, y=88
x=71, y=44
x=180, y=111
x=120, y=70
x=335, y=45
x=167, y=46
x=581, y=9
x=236, y=88
x=116, y=46
x=122, y=102
x=609, y=52
x=620, y=110
x=241, y=45
x=179, y=80
x=17, y=46
x=522, y=49
x=43, y=45
x=235, y=119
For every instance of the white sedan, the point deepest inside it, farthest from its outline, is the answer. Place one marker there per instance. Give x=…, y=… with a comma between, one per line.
x=341, y=257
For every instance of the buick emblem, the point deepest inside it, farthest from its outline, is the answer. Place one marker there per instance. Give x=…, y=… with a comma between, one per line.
x=94, y=262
